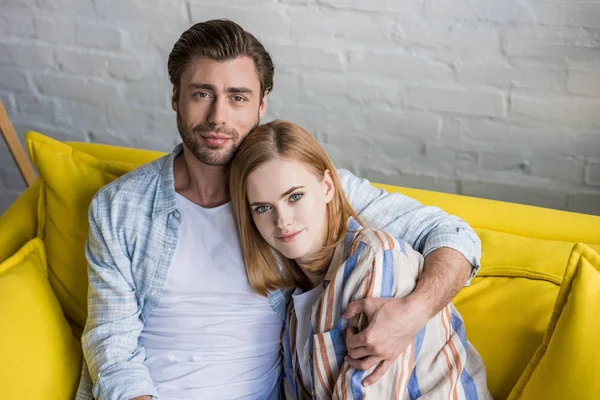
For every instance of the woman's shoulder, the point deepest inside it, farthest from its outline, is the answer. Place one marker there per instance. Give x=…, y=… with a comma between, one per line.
x=378, y=240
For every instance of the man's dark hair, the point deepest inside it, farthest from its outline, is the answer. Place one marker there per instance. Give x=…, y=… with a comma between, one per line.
x=220, y=40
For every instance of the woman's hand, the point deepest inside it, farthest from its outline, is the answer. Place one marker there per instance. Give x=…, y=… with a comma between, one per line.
x=392, y=325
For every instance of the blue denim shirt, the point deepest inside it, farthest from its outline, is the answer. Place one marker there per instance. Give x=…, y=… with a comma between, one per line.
x=134, y=229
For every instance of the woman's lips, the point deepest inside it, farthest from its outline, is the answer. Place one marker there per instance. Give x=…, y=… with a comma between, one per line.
x=290, y=237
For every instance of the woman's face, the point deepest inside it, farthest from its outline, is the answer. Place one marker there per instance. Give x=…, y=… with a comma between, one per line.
x=288, y=204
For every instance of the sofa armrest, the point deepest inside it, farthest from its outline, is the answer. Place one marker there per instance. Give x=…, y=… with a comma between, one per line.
x=19, y=223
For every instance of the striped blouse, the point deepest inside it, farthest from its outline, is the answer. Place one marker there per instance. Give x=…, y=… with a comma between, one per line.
x=439, y=364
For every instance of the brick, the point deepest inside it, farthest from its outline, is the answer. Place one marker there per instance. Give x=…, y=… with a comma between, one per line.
x=305, y=57
x=455, y=43
x=587, y=144
x=403, y=123
x=398, y=6
x=76, y=88
x=471, y=102
x=164, y=13
x=98, y=37
x=125, y=68
x=517, y=76
x=81, y=114
x=587, y=203
x=149, y=92
x=501, y=161
x=12, y=179
x=31, y=56
x=584, y=82
x=447, y=160
x=19, y=3
x=13, y=79
x=592, y=173
x=81, y=63
x=398, y=148
x=362, y=90
x=251, y=19
x=421, y=181
x=78, y=7
x=574, y=14
x=558, y=109
x=405, y=66
x=16, y=25
x=565, y=169
x=535, y=196
x=53, y=30
x=315, y=25
x=481, y=10
x=551, y=43
x=28, y=105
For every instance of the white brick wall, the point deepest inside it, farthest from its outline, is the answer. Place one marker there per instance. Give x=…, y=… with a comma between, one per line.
x=489, y=98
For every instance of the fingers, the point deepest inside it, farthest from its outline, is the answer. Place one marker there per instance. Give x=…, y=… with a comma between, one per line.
x=354, y=308
x=359, y=352
x=363, y=363
x=381, y=369
x=356, y=340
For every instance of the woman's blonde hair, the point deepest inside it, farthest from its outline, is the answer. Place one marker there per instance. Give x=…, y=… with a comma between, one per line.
x=283, y=140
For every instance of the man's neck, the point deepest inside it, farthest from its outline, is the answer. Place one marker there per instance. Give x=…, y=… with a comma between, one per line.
x=205, y=185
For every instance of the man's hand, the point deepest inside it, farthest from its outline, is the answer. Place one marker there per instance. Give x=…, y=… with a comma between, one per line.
x=393, y=323
x=386, y=337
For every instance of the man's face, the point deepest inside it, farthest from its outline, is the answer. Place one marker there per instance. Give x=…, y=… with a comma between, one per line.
x=217, y=105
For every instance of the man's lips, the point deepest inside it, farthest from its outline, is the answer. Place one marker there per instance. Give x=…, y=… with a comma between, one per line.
x=287, y=238
x=216, y=140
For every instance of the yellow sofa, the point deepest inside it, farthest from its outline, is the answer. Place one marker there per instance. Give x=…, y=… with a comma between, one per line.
x=530, y=311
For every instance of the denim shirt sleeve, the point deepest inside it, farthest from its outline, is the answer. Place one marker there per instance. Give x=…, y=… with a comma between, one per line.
x=112, y=351
x=424, y=228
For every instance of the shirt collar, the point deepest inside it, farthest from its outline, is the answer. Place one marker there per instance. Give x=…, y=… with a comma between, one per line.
x=164, y=199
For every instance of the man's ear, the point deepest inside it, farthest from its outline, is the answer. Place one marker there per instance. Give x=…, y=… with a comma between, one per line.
x=329, y=186
x=175, y=98
x=263, y=105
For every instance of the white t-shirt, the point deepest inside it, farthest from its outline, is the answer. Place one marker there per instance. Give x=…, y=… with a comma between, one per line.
x=303, y=305
x=211, y=336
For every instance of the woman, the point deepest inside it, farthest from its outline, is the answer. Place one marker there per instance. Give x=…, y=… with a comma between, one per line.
x=298, y=230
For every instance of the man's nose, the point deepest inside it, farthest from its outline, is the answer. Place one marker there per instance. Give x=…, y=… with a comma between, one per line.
x=218, y=111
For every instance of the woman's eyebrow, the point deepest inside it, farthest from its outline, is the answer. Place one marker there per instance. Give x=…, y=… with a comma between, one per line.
x=287, y=193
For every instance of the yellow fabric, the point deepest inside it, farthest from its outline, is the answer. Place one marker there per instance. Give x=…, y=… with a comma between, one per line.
x=116, y=153
x=39, y=357
x=19, y=224
x=518, y=219
x=517, y=273
x=566, y=364
x=70, y=180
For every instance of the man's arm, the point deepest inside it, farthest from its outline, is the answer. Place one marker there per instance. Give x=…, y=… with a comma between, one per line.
x=452, y=253
x=110, y=339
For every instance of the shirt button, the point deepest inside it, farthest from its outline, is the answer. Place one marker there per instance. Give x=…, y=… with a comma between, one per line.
x=177, y=214
x=153, y=293
x=167, y=246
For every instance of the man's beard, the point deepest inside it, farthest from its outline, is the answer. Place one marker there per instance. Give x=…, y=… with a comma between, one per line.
x=205, y=153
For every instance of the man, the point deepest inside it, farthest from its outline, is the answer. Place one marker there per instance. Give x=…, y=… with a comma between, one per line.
x=170, y=310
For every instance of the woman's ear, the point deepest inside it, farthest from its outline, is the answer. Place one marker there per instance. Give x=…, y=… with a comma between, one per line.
x=329, y=186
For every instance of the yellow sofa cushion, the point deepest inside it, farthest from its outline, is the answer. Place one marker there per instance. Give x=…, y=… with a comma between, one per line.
x=40, y=357
x=508, y=305
x=565, y=366
x=70, y=179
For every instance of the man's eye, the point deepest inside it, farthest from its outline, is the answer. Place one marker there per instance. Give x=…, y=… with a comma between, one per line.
x=295, y=197
x=238, y=99
x=202, y=95
x=262, y=209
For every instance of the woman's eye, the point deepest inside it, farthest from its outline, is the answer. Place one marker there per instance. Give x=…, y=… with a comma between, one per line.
x=262, y=209
x=295, y=197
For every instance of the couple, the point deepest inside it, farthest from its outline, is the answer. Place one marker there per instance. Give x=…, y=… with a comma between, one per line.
x=172, y=311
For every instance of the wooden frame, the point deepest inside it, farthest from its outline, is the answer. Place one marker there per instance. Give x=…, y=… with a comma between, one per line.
x=15, y=147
